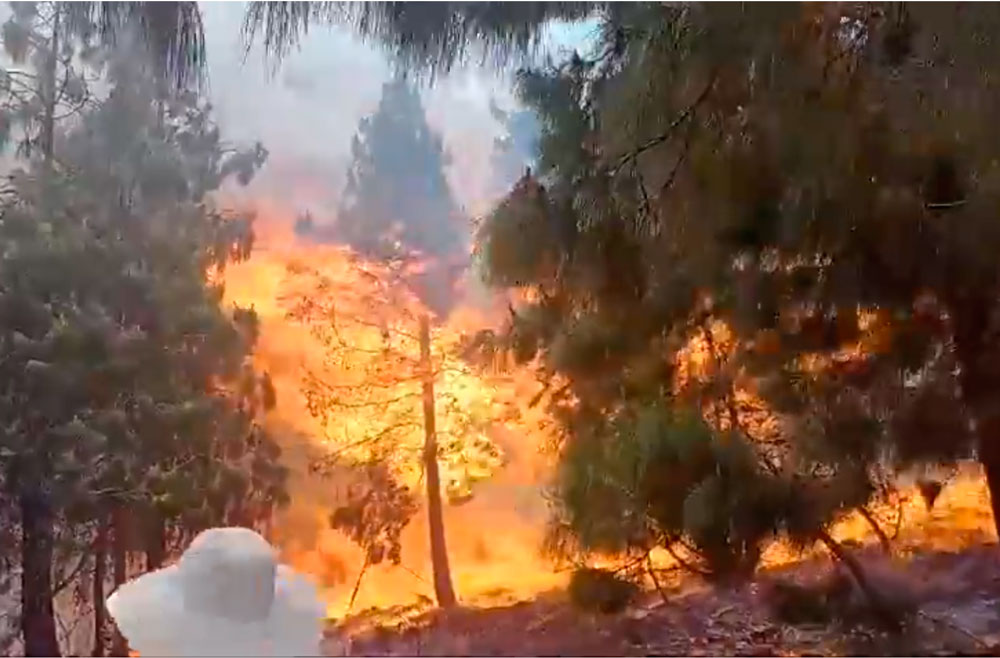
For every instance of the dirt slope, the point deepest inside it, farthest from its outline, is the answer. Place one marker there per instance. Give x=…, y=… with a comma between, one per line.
x=958, y=595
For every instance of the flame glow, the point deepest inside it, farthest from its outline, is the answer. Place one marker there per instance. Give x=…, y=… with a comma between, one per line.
x=494, y=539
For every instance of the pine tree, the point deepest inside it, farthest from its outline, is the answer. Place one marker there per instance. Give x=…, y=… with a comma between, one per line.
x=128, y=391
x=397, y=203
x=392, y=410
x=660, y=211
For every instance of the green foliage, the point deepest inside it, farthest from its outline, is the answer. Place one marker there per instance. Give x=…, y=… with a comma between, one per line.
x=60, y=50
x=654, y=476
x=376, y=512
x=397, y=204
x=146, y=180
x=396, y=189
x=600, y=590
x=516, y=248
x=819, y=181
x=126, y=386
x=431, y=40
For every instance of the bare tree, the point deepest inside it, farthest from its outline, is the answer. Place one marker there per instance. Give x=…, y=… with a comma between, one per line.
x=384, y=396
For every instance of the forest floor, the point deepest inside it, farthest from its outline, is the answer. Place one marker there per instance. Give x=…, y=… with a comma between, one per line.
x=957, y=595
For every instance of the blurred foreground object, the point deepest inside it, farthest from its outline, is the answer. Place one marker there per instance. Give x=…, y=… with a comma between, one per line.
x=226, y=596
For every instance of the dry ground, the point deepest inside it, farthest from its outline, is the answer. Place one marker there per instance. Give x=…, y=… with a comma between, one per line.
x=958, y=595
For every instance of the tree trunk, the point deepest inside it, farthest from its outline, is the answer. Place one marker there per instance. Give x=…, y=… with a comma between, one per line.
x=38, y=619
x=443, y=590
x=119, y=565
x=49, y=97
x=882, y=608
x=988, y=448
x=38, y=622
x=156, y=542
x=100, y=561
x=978, y=350
x=883, y=538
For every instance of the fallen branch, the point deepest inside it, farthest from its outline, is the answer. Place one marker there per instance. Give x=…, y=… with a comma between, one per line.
x=630, y=564
x=879, y=605
x=656, y=581
x=955, y=627
x=682, y=562
x=876, y=528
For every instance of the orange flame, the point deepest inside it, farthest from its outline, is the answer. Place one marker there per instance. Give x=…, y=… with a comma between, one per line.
x=492, y=537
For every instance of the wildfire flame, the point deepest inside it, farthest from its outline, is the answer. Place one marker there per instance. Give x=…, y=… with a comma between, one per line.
x=494, y=539
x=494, y=535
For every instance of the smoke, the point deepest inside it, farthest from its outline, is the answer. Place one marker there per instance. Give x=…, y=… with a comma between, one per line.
x=306, y=112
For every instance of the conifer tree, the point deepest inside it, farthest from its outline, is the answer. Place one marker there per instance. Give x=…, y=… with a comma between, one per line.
x=129, y=406
x=397, y=203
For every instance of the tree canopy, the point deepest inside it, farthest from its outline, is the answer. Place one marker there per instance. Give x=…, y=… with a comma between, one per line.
x=817, y=180
x=397, y=205
x=130, y=412
x=429, y=39
x=753, y=256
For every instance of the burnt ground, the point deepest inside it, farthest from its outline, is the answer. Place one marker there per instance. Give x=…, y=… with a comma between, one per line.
x=957, y=595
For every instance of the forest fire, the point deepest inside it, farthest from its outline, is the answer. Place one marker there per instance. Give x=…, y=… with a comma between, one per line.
x=492, y=468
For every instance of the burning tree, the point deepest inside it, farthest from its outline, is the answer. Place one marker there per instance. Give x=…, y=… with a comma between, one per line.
x=376, y=392
x=712, y=212
x=393, y=397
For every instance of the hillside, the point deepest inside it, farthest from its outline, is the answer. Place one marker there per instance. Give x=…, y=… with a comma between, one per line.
x=957, y=594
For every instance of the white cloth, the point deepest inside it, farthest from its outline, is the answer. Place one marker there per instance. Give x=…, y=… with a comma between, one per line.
x=195, y=608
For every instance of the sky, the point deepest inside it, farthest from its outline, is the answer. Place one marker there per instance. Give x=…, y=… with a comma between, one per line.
x=305, y=111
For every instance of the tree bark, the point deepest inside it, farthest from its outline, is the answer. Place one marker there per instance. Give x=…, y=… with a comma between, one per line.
x=49, y=99
x=978, y=350
x=883, y=538
x=100, y=562
x=119, y=566
x=443, y=590
x=38, y=619
x=988, y=447
x=156, y=542
x=879, y=605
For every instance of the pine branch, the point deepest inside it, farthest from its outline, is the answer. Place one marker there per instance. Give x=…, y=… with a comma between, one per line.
x=668, y=133
x=656, y=581
x=60, y=586
x=876, y=528
x=669, y=547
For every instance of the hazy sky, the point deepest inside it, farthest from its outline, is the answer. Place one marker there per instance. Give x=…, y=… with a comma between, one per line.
x=306, y=110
